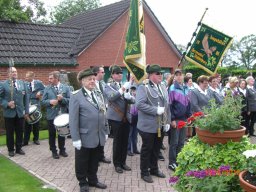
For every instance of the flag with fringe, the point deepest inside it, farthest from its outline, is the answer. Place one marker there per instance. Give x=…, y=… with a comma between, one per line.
x=135, y=45
x=208, y=49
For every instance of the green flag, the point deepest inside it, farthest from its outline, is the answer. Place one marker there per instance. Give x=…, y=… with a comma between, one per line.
x=135, y=45
x=208, y=49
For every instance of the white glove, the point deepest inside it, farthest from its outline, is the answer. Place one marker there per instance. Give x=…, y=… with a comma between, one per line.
x=127, y=96
x=160, y=110
x=166, y=127
x=77, y=144
x=127, y=85
x=121, y=91
x=106, y=136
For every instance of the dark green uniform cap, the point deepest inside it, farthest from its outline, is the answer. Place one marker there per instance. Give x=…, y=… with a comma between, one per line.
x=85, y=73
x=115, y=69
x=154, y=68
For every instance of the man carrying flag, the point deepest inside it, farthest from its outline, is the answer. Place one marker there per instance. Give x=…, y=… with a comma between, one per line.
x=135, y=46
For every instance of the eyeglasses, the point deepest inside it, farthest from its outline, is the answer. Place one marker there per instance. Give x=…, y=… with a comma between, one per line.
x=118, y=73
x=159, y=73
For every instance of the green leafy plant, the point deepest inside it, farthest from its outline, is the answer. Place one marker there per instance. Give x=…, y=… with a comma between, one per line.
x=250, y=160
x=220, y=118
x=196, y=159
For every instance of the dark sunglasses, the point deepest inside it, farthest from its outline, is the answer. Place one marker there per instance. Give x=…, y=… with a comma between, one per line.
x=118, y=73
x=159, y=73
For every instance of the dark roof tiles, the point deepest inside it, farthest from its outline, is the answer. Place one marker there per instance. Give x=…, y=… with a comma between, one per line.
x=94, y=22
x=29, y=43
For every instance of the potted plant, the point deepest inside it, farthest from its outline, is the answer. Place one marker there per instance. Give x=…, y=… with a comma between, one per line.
x=207, y=168
x=221, y=123
x=247, y=178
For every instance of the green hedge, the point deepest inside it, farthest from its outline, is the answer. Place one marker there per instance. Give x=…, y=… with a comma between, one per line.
x=224, y=71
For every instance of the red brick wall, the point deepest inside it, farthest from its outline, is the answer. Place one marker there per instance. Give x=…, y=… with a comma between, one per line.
x=105, y=50
x=41, y=73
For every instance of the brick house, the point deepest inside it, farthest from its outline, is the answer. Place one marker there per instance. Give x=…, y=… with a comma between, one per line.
x=96, y=37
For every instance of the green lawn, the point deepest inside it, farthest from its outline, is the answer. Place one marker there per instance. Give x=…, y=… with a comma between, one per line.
x=42, y=135
x=15, y=179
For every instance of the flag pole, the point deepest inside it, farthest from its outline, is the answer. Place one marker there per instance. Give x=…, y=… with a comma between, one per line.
x=193, y=35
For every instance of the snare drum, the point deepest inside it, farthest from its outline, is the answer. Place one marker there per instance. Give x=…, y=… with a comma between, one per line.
x=34, y=115
x=61, y=123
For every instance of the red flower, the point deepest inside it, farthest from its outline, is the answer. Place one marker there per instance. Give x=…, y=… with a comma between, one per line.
x=181, y=124
x=198, y=114
x=191, y=119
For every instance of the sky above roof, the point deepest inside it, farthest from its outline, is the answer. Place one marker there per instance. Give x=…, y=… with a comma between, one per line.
x=180, y=18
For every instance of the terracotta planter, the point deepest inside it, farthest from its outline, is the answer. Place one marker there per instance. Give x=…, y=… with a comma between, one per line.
x=214, y=138
x=244, y=184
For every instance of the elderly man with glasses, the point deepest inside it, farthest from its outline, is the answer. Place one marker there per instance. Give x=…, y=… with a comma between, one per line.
x=153, y=119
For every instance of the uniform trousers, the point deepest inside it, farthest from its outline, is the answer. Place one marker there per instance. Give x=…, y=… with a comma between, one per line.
x=86, y=165
x=149, y=152
x=252, y=120
x=14, y=125
x=52, y=138
x=120, y=142
x=101, y=153
x=27, y=131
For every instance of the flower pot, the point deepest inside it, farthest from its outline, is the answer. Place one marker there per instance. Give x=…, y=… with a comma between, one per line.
x=213, y=138
x=244, y=184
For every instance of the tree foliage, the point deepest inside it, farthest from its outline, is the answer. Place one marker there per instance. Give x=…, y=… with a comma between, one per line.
x=69, y=8
x=12, y=10
x=242, y=53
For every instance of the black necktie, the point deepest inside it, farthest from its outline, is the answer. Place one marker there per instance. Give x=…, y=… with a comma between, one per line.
x=101, y=87
x=159, y=90
x=56, y=88
x=14, y=84
x=30, y=86
x=93, y=98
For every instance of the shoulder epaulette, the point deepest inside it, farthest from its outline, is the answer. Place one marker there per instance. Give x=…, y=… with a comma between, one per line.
x=145, y=82
x=75, y=92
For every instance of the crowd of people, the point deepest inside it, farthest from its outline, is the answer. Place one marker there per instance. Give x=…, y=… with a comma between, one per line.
x=122, y=109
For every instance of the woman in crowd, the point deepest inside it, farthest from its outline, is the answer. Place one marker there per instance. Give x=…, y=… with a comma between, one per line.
x=214, y=90
x=189, y=82
x=251, y=104
x=200, y=96
x=231, y=87
x=242, y=92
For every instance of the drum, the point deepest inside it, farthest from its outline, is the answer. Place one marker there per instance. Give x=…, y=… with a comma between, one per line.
x=34, y=115
x=61, y=123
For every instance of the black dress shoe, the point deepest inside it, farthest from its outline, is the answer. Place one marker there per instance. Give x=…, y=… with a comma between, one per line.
x=147, y=178
x=84, y=188
x=119, y=169
x=21, y=152
x=11, y=153
x=161, y=157
x=63, y=154
x=126, y=168
x=105, y=160
x=136, y=152
x=158, y=174
x=37, y=142
x=24, y=144
x=98, y=185
x=55, y=155
x=163, y=147
x=253, y=135
x=129, y=153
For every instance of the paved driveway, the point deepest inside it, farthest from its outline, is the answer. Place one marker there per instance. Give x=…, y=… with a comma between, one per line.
x=60, y=173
